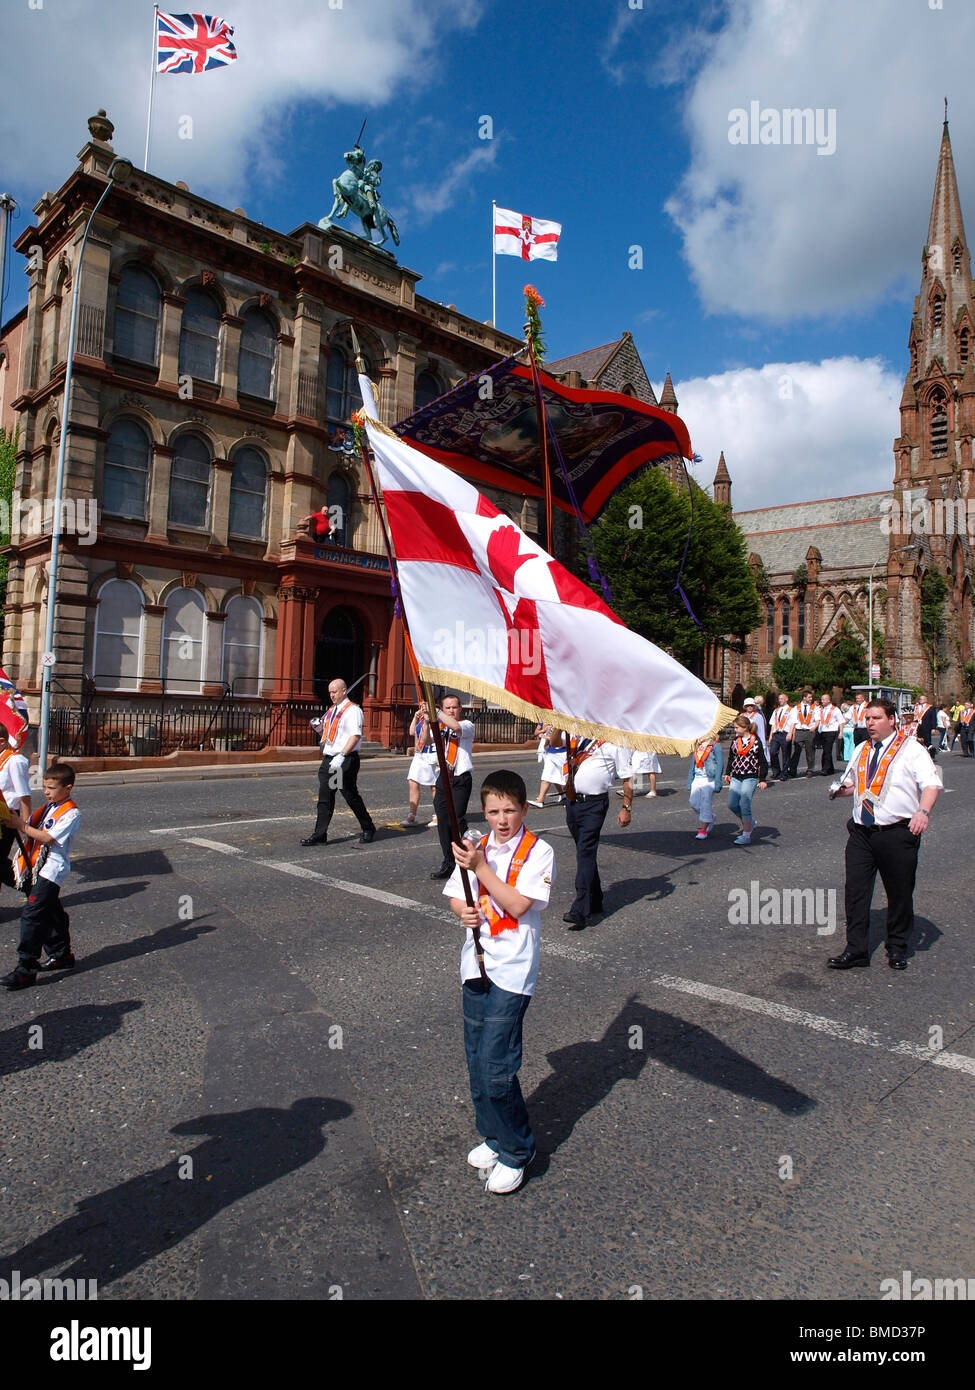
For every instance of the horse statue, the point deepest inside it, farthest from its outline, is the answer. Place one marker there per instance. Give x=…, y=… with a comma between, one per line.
x=356, y=190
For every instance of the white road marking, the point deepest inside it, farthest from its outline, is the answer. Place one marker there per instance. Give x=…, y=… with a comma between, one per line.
x=220, y=824
x=214, y=844
x=784, y=1013
x=848, y=1032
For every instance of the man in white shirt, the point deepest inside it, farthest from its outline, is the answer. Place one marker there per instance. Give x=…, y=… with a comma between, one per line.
x=596, y=765
x=801, y=732
x=778, y=758
x=339, y=770
x=15, y=790
x=459, y=741
x=894, y=785
x=828, y=722
x=859, y=716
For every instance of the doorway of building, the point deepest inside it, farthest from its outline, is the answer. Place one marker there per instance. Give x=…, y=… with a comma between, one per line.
x=339, y=652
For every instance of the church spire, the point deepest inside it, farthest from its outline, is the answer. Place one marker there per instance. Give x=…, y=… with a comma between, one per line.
x=721, y=487
x=946, y=283
x=668, y=396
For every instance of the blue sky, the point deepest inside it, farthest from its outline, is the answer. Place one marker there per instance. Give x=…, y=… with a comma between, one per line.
x=762, y=264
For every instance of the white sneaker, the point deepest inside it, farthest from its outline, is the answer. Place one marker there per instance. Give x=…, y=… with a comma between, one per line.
x=408, y=820
x=505, y=1179
x=743, y=839
x=432, y=822
x=482, y=1157
x=539, y=804
x=701, y=835
x=651, y=793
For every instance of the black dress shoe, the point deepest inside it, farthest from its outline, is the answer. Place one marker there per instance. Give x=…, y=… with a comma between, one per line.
x=316, y=840
x=576, y=920
x=18, y=979
x=897, y=962
x=848, y=960
x=65, y=962
x=442, y=873
x=367, y=837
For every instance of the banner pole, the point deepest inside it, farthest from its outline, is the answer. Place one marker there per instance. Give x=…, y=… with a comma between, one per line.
x=494, y=267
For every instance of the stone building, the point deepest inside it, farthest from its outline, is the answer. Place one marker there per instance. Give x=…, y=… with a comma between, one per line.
x=213, y=383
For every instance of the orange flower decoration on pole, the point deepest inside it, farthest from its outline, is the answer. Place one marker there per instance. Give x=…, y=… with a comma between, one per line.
x=533, y=324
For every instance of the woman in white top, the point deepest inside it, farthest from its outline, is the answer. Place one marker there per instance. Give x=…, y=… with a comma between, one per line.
x=552, y=758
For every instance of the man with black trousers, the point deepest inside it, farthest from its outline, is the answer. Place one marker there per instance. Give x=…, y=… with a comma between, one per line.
x=341, y=734
x=894, y=785
x=458, y=741
x=595, y=765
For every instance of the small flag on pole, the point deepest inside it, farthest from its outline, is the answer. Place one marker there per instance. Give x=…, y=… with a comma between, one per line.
x=193, y=42
x=517, y=234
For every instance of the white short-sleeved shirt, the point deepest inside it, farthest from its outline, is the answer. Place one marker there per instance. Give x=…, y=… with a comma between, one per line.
x=57, y=865
x=909, y=774
x=829, y=719
x=349, y=725
x=794, y=721
x=464, y=762
x=597, y=772
x=511, y=957
x=15, y=780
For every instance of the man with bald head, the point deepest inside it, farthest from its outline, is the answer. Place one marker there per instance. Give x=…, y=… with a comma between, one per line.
x=341, y=734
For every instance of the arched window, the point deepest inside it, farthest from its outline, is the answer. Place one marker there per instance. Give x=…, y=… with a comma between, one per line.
x=199, y=336
x=427, y=389
x=937, y=311
x=248, y=489
x=628, y=390
x=339, y=506
x=964, y=346
x=786, y=618
x=769, y=625
x=242, y=645
x=126, y=482
x=183, y=644
x=956, y=257
x=117, y=655
x=801, y=625
x=136, y=335
x=256, y=363
x=939, y=425
x=342, y=395
x=189, y=483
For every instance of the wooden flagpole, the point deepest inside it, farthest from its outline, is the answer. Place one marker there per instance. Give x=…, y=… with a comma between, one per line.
x=432, y=720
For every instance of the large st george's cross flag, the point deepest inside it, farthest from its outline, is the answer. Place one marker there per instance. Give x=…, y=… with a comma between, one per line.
x=490, y=612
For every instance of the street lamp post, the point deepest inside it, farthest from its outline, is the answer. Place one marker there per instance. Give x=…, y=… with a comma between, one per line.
x=118, y=172
x=870, y=627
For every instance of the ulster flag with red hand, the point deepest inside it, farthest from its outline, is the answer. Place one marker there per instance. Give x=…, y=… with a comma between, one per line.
x=490, y=612
x=517, y=234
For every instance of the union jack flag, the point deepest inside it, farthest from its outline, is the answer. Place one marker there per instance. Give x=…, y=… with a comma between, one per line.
x=193, y=42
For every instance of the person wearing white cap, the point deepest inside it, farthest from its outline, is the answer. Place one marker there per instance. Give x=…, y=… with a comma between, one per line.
x=757, y=716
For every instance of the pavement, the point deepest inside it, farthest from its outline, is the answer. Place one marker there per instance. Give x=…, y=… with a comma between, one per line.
x=253, y=1086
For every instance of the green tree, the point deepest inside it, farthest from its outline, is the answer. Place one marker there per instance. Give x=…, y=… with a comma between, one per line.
x=639, y=541
x=934, y=591
x=847, y=658
x=8, y=470
x=802, y=668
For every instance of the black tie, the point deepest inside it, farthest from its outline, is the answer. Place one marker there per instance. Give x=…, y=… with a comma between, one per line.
x=875, y=759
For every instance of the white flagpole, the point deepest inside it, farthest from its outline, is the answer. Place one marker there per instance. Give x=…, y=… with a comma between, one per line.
x=494, y=267
x=152, y=77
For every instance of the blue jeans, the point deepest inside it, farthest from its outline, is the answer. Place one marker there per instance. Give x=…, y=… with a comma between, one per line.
x=740, y=792
x=492, y=1041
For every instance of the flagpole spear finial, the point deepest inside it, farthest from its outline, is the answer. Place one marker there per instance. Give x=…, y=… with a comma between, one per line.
x=359, y=360
x=357, y=146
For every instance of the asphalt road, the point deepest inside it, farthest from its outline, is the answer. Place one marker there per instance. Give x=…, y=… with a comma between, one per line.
x=254, y=1085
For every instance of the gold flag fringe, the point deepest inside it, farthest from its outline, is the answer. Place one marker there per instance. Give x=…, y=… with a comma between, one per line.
x=649, y=743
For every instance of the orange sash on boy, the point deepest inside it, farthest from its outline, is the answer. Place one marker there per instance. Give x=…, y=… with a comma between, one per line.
x=35, y=847
x=502, y=921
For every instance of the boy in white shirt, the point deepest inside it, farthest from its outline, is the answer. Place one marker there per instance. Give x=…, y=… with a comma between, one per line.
x=15, y=790
x=43, y=921
x=512, y=872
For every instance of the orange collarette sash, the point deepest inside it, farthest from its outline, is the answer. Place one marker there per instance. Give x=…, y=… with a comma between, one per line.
x=451, y=743
x=332, y=720
x=966, y=715
x=880, y=776
x=744, y=749
x=860, y=715
x=35, y=846
x=502, y=921
x=579, y=758
x=699, y=760
x=779, y=717
x=809, y=717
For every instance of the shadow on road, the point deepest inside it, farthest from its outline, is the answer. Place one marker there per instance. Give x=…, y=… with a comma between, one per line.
x=115, y=1231
x=584, y=1073
x=176, y=934
x=151, y=862
x=64, y=1033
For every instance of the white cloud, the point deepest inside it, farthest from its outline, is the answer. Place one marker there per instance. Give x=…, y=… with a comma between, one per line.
x=778, y=231
x=429, y=200
x=794, y=431
x=298, y=52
